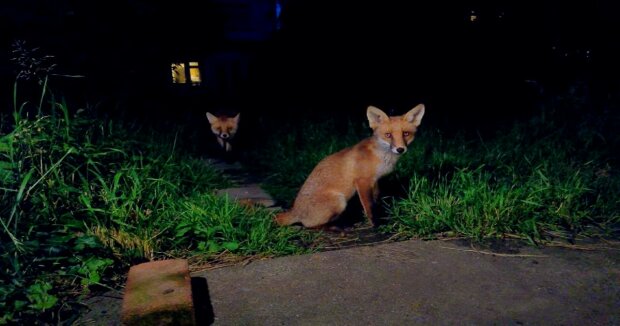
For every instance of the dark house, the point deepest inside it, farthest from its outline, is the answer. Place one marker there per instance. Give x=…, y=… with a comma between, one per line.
x=178, y=58
x=217, y=67
x=143, y=56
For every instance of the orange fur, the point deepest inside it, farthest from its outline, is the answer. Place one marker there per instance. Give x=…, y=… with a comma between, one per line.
x=224, y=128
x=328, y=188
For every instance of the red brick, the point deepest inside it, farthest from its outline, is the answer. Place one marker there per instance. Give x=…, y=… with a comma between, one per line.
x=158, y=293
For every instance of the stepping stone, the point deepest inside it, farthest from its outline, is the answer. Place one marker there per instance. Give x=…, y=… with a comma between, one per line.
x=251, y=194
x=158, y=293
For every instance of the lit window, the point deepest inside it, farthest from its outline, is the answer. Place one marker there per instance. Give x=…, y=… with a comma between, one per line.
x=180, y=71
x=194, y=73
x=473, y=17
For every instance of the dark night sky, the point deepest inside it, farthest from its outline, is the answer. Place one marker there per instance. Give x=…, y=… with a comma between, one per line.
x=380, y=52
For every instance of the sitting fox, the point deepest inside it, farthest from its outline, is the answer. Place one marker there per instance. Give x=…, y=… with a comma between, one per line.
x=324, y=195
x=224, y=128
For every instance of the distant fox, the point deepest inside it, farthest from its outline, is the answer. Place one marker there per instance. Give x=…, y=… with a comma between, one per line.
x=224, y=128
x=324, y=195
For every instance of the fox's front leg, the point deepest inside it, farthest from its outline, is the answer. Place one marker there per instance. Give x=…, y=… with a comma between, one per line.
x=366, y=191
x=375, y=192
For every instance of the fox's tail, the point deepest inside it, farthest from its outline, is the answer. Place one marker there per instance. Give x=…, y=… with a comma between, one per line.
x=285, y=218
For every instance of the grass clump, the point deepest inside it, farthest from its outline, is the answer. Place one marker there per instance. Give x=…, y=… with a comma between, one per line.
x=84, y=197
x=536, y=182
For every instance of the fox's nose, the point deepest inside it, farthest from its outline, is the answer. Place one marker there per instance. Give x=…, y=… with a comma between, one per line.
x=224, y=136
x=400, y=150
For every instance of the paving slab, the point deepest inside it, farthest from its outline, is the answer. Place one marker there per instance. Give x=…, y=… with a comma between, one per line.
x=249, y=194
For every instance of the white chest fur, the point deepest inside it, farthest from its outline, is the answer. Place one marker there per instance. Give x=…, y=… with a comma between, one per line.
x=388, y=162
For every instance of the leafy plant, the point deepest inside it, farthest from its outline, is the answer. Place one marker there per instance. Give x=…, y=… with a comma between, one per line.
x=84, y=197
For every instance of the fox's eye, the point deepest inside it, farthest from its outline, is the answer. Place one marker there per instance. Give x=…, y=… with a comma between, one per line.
x=406, y=133
x=388, y=135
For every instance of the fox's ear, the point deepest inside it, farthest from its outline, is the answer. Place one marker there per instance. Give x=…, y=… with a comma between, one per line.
x=237, y=117
x=376, y=116
x=211, y=117
x=415, y=115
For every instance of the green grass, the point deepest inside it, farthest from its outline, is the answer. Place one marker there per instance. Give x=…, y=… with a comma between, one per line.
x=538, y=180
x=533, y=182
x=83, y=198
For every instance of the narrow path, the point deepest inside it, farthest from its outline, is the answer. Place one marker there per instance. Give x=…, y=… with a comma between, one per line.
x=247, y=189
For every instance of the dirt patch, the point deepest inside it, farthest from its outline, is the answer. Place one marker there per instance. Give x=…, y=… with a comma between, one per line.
x=353, y=237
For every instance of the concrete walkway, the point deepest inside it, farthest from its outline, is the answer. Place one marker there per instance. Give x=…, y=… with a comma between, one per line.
x=416, y=283
x=409, y=283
